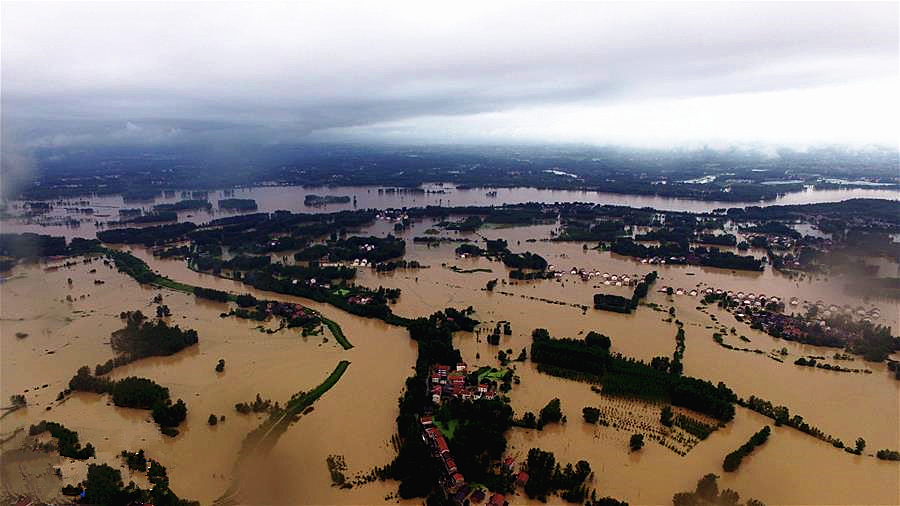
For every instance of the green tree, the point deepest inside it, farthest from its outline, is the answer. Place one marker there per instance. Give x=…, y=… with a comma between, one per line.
x=708, y=488
x=729, y=497
x=104, y=486
x=551, y=413
x=860, y=445
x=684, y=499
x=665, y=416
x=540, y=465
x=636, y=442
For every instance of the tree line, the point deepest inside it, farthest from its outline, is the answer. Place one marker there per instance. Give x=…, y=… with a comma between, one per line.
x=67, y=440
x=621, y=376
x=134, y=392
x=733, y=460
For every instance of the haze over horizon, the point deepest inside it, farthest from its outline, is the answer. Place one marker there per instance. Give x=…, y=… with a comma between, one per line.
x=645, y=75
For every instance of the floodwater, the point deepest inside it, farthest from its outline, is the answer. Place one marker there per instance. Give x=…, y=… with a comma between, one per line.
x=355, y=419
x=832, y=401
x=200, y=459
x=290, y=198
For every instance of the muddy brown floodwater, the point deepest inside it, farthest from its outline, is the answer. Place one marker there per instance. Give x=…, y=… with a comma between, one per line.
x=355, y=419
x=831, y=401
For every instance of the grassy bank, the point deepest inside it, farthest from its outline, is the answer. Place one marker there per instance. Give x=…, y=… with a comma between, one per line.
x=264, y=437
x=337, y=332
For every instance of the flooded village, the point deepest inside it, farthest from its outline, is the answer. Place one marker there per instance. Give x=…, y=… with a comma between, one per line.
x=458, y=254
x=281, y=325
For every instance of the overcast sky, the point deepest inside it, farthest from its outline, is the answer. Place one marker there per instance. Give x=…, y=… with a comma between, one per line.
x=649, y=74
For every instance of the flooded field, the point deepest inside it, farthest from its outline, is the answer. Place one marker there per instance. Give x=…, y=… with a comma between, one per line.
x=831, y=401
x=63, y=336
x=45, y=338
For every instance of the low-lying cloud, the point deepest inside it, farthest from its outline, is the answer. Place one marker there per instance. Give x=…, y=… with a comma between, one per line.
x=585, y=72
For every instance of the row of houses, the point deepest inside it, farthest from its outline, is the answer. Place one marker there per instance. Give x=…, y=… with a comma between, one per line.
x=761, y=300
x=608, y=279
x=452, y=481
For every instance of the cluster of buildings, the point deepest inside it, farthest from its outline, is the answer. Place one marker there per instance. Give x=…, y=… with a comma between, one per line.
x=446, y=382
x=748, y=299
x=360, y=300
x=847, y=310
x=392, y=215
x=450, y=382
x=452, y=481
x=287, y=310
x=689, y=259
x=608, y=279
x=789, y=327
x=312, y=282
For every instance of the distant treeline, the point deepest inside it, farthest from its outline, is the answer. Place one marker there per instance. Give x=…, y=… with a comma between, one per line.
x=603, y=231
x=31, y=246
x=236, y=263
x=238, y=204
x=69, y=172
x=319, y=200
x=148, y=236
x=682, y=253
x=154, y=217
x=183, y=205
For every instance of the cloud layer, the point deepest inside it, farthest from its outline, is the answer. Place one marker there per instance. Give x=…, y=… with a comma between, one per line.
x=646, y=73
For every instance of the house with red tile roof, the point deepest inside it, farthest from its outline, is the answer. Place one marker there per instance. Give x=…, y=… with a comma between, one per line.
x=498, y=500
x=521, y=479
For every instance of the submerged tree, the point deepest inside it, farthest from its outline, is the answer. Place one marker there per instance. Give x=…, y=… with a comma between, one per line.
x=636, y=442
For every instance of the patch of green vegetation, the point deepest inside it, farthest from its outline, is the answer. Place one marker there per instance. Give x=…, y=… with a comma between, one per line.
x=447, y=429
x=491, y=374
x=337, y=332
x=140, y=271
x=341, y=292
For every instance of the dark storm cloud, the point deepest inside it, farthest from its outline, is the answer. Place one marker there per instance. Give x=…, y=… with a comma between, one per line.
x=169, y=72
